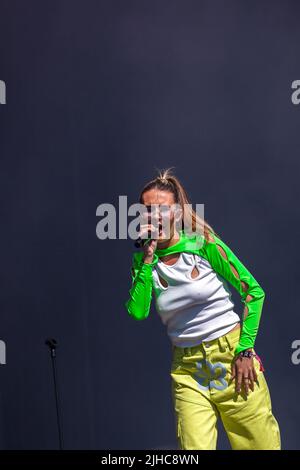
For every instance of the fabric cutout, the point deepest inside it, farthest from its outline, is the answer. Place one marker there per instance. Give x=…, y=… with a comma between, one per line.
x=163, y=281
x=211, y=375
x=195, y=272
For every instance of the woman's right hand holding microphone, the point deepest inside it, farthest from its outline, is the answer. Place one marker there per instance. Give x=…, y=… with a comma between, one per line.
x=150, y=247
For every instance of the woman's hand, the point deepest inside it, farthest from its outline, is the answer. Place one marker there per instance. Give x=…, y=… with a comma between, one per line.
x=150, y=247
x=149, y=250
x=244, y=373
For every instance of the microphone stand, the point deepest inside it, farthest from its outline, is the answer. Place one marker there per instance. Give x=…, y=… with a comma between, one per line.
x=52, y=344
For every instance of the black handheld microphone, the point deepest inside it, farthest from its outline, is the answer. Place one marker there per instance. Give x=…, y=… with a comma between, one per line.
x=143, y=241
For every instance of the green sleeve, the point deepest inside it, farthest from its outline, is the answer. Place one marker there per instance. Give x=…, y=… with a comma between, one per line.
x=222, y=266
x=140, y=293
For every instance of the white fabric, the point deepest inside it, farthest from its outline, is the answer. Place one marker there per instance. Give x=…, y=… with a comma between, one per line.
x=194, y=310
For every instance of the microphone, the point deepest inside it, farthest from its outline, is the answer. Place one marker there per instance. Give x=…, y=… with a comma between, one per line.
x=140, y=242
x=143, y=241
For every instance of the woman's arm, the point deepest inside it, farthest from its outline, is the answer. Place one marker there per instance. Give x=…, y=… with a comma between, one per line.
x=226, y=263
x=140, y=294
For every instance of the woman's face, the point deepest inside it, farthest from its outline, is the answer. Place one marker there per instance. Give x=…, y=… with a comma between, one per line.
x=162, y=210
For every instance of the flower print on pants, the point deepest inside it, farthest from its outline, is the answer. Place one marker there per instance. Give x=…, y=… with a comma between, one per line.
x=210, y=375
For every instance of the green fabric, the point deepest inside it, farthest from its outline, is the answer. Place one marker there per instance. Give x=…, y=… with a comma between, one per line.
x=140, y=294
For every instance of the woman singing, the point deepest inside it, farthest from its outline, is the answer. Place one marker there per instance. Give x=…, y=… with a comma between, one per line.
x=215, y=370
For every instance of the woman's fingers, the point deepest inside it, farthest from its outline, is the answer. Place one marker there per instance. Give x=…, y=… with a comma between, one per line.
x=246, y=384
x=233, y=368
x=246, y=377
x=239, y=379
x=254, y=374
x=251, y=380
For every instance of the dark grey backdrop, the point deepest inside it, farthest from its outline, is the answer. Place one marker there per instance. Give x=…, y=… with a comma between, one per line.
x=99, y=93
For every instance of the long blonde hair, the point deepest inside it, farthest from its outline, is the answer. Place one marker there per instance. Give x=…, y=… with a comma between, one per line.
x=167, y=181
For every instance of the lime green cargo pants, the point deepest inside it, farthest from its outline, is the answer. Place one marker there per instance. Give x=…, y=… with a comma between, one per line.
x=202, y=392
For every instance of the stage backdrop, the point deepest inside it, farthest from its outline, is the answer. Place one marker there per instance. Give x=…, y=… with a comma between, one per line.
x=97, y=95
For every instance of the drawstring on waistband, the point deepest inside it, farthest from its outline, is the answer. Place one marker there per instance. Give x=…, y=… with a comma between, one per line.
x=221, y=345
x=229, y=343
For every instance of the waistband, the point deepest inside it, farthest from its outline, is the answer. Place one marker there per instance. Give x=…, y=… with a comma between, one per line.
x=230, y=340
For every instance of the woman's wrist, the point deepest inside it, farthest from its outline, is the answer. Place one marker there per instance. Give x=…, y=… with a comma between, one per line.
x=151, y=260
x=249, y=352
x=148, y=259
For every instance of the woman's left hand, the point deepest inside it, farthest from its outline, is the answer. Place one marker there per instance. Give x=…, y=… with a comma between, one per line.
x=244, y=373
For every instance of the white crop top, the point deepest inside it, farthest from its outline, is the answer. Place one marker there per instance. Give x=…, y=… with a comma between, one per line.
x=194, y=309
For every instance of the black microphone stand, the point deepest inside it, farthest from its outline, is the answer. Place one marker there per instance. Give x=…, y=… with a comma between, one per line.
x=52, y=344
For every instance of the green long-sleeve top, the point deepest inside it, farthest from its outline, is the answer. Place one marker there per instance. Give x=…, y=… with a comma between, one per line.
x=226, y=264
